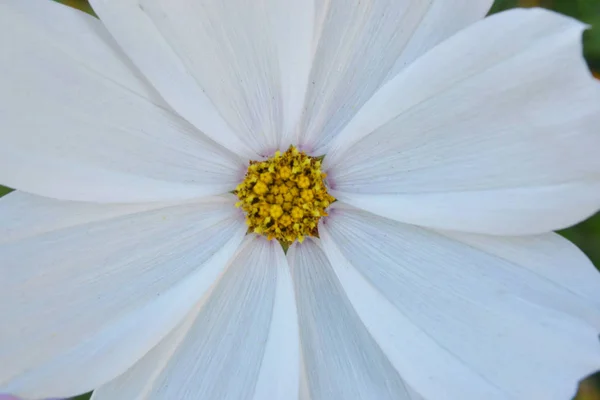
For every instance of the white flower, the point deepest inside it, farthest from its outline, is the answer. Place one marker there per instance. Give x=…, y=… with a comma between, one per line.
x=454, y=146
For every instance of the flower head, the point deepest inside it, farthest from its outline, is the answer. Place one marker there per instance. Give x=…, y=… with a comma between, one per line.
x=411, y=156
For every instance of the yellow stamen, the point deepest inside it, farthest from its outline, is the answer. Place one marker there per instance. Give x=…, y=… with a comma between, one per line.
x=260, y=188
x=276, y=211
x=285, y=196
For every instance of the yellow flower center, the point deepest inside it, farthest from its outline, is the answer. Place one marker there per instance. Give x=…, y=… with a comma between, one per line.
x=285, y=196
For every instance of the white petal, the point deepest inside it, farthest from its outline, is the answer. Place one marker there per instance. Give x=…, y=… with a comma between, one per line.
x=78, y=124
x=82, y=301
x=24, y=215
x=362, y=44
x=501, y=140
x=341, y=360
x=241, y=344
x=548, y=255
x=235, y=69
x=467, y=319
x=136, y=383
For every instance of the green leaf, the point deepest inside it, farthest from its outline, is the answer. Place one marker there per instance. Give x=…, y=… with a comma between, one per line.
x=82, y=5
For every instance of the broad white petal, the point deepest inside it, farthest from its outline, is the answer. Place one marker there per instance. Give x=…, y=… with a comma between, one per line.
x=81, y=301
x=242, y=343
x=77, y=123
x=340, y=358
x=238, y=70
x=502, y=140
x=549, y=255
x=137, y=382
x=361, y=44
x=467, y=319
x=10, y=397
x=24, y=215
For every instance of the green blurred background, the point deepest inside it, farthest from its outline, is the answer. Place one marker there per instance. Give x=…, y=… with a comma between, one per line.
x=586, y=234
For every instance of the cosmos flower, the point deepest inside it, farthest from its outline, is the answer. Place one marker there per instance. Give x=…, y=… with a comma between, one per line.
x=284, y=199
